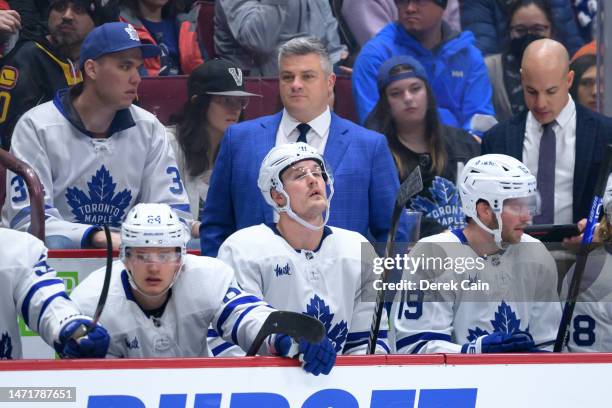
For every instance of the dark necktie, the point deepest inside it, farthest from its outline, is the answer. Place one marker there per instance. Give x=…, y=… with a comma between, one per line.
x=546, y=175
x=303, y=128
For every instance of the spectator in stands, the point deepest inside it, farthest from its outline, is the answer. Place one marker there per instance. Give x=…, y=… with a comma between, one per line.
x=406, y=114
x=529, y=20
x=488, y=20
x=455, y=67
x=35, y=70
x=365, y=177
x=96, y=154
x=584, y=87
x=249, y=32
x=365, y=18
x=216, y=100
x=164, y=23
x=559, y=141
x=590, y=48
x=10, y=24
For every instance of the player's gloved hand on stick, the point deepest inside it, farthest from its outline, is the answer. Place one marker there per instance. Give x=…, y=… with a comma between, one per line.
x=316, y=358
x=500, y=343
x=93, y=345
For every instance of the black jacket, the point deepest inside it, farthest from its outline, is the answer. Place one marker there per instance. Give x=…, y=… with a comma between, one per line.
x=593, y=132
x=30, y=75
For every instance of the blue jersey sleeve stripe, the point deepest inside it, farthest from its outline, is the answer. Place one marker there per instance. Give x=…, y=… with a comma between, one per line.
x=23, y=213
x=212, y=333
x=356, y=336
x=406, y=341
x=348, y=346
x=221, y=348
x=384, y=346
x=229, y=308
x=238, y=321
x=47, y=302
x=25, y=306
x=418, y=347
x=181, y=207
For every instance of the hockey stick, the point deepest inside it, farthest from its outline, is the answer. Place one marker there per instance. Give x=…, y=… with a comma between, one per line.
x=297, y=325
x=83, y=331
x=411, y=186
x=581, y=257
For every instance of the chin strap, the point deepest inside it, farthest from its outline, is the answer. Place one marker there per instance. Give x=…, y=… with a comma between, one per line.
x=137, y=289
x=289, y=211
x=496, y=232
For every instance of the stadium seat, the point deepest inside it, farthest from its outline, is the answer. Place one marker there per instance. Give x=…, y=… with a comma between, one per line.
x=206, y=25
x=164, y=96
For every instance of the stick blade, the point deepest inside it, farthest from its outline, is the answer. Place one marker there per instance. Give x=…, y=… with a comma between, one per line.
x=412, y=185
x=297, y=325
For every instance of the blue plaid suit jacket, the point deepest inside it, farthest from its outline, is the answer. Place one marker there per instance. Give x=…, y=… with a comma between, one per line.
x=365, y=181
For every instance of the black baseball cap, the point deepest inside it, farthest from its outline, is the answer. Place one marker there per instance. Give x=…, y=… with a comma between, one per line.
x=217, y=77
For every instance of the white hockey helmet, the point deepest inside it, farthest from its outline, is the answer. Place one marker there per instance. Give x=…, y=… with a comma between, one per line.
x=152, y=225
x=276, y=161
x=495, y=178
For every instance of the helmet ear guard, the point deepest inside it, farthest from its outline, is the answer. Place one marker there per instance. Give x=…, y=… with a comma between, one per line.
x=278, y=160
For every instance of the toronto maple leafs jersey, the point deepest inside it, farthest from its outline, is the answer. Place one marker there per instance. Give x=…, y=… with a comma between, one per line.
x=29, y=287
x=205, y=293
x=521, y=296
x=326, y=283
x=91, y=181
x=591, y=327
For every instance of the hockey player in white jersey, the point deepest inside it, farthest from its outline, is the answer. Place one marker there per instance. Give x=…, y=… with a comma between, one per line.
x=29, y=287
x=591, y=327
x=161, y=300
x=301, y=264
x=519, y=308
x=96, y=154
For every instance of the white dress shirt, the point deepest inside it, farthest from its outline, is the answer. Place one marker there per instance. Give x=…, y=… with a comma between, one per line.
x=316, y=136
x=565, y=144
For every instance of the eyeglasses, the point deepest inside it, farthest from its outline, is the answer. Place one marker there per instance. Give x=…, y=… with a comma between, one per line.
x=299, y=173
x=155, y=257
x=231, y=102
x=536, y=29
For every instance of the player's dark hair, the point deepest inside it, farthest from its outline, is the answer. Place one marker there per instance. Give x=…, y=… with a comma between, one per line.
x=380, y=120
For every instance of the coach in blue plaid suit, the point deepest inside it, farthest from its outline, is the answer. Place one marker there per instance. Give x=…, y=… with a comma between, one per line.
x=365, y=176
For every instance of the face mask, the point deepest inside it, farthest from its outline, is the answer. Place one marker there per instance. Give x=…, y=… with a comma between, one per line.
x=518, y=45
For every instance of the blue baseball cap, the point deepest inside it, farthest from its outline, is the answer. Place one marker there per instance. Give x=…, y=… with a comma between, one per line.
x=113, y=37
x=384, y=72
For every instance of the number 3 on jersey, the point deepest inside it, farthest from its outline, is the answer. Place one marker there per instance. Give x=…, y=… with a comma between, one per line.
x=19, y=189
x=177, y=187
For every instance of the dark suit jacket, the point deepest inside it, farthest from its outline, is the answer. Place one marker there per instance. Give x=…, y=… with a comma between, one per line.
x=365, y=181
x=593, y=131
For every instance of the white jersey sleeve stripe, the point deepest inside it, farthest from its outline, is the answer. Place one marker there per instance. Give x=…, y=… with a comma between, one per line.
x=235, y=328
x=25, y=306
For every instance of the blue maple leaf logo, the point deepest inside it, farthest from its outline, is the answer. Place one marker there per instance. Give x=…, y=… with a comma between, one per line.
x=505, y=322
x=320, y=311
x=102, y=205
x=444, y=205
x=6, y=347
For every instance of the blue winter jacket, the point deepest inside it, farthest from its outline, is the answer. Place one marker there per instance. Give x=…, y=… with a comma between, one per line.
x=456, y=70
x=488, y=20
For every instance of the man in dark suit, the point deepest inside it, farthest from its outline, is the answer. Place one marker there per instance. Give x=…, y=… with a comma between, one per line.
x=559, y=141
x=365, y=176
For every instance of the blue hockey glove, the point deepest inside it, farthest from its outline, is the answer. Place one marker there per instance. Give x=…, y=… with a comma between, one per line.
x=316, y=358
x=500, y=343
x=93, y=345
